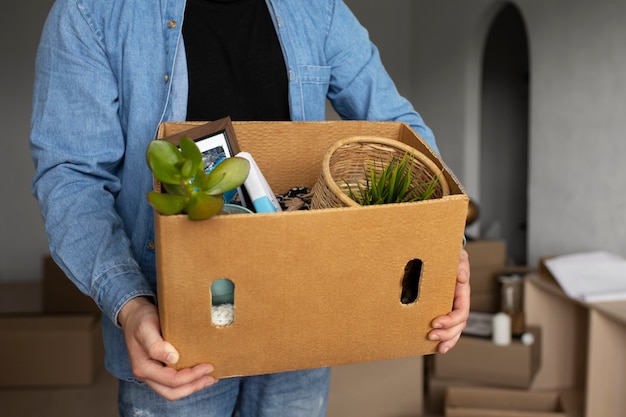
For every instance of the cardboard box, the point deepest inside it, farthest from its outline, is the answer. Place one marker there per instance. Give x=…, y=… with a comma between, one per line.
x=565, y=334
x=487, y=258
x=50, y=350
x=478, y=359
x=20, y=297
x=385, y=388
x=488, y=261
x=435, y=392
x=60, y=295
x=42, y=348
x=312, y=288
x=492, y=402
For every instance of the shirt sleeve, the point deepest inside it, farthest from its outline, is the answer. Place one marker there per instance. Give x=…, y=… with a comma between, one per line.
x=78, y=147
x=360, y=87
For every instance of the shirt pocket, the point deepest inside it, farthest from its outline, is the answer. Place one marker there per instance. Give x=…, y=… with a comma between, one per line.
x=315, y=74
x=314, y=82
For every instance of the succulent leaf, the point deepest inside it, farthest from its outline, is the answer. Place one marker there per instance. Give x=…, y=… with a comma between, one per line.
x=190, y=152
x=176, y=189
x=167, y=203
x=164, y=160
x=229, y=174
x=187, y=188
x=202, y=206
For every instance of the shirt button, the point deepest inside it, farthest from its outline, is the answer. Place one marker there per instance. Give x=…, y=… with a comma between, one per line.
x=167, y=77
x=151, y=245
x=172, y=24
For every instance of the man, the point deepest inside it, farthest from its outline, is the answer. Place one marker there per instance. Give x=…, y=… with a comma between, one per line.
x=107, y=74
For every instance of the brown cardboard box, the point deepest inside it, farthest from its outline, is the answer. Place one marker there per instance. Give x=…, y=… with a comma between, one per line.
x=60, y=295
x=20, y=297
x=487, y=258
x=478, y=359
x=435, y=392
x=45, y=350
x=312, y=288
x=565, y=334
x=39, y=347
x=385, y=388
x=492, y=402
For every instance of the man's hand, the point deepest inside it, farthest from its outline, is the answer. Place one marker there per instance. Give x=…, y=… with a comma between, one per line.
x=448, y=328
x=149, y=353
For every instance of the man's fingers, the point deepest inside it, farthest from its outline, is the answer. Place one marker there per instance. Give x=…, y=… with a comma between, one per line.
x=463, y=272
x=179, y=384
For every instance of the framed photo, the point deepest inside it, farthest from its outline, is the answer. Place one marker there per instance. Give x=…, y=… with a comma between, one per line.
x=215, y=148
x=217, y=141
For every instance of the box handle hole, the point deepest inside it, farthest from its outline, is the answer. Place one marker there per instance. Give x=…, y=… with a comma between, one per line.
x=411, y=281
x=222, y=302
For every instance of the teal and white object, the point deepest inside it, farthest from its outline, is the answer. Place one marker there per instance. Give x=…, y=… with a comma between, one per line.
x=222, y=292
x=263, y=198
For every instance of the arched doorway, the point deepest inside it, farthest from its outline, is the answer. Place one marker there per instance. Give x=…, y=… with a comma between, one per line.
x=504, y=140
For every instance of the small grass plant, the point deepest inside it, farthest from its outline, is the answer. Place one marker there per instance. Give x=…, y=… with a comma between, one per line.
x=391, y=183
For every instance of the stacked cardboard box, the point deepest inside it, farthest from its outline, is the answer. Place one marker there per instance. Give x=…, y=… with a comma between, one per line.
x=489, y=261
x=60, y=295
x=476, y=361
x=392, y=387
x=57, y=341
x=488, y=258
x=490, y=402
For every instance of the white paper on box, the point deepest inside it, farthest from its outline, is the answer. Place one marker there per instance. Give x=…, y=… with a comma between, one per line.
x=590, y=277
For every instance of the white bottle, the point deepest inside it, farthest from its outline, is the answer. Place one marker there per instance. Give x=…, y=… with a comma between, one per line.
x=501, y=329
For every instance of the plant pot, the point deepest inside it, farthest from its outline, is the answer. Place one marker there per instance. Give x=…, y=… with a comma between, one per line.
x=347, y=162
x=230, y=208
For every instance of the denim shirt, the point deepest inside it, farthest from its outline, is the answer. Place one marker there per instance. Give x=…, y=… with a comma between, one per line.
x=108, y=73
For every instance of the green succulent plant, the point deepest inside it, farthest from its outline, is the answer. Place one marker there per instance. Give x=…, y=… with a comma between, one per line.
x=391, y=183
x=188, y=189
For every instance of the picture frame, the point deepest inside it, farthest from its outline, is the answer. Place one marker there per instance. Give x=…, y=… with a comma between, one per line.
x=216, y=140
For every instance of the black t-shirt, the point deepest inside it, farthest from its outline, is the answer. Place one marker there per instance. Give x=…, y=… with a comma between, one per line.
x=235, y=62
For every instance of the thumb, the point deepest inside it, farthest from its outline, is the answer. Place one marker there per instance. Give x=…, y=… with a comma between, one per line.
x=139, y=319
x=158, y=349
x=171, y=354
x=154, y=345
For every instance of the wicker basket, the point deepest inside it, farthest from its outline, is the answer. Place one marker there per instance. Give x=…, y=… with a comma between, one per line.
x=346, y=161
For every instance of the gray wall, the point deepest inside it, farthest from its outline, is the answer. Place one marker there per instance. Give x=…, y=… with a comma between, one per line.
x=23, y=240
x=433, y=50
x=577, y=106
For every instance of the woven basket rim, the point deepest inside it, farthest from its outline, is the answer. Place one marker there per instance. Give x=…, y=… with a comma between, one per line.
x=345, y=199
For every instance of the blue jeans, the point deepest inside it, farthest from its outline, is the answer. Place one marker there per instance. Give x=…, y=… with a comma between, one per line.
x=293, y=394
